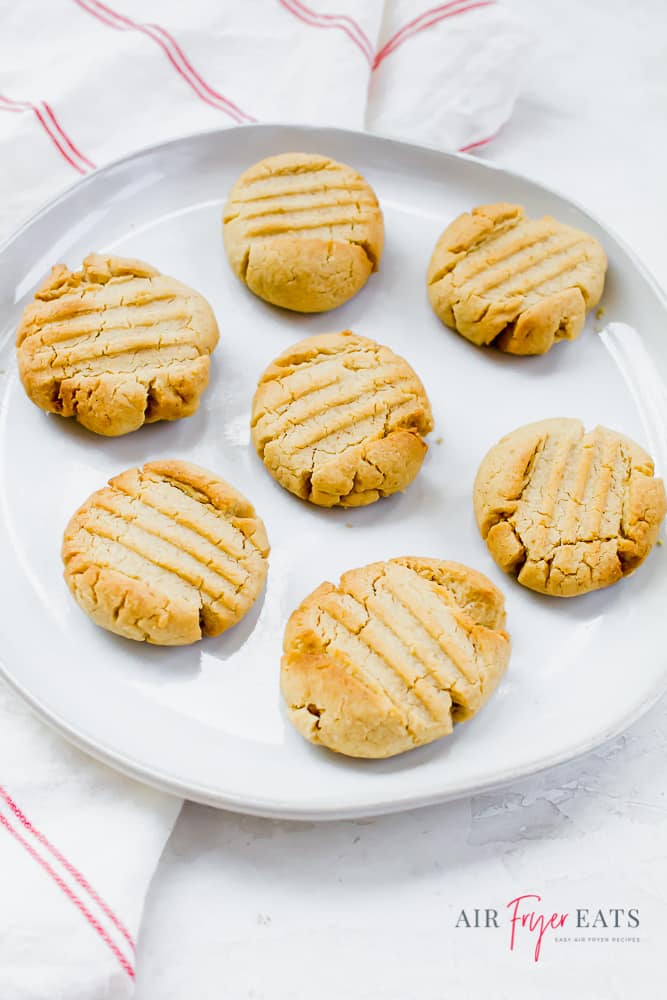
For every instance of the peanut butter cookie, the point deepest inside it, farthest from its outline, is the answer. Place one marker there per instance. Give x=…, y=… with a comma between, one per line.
x=167, y=554
x=115, y=345
x=520, y=284
x=567, y=511
x=303, y=231
x=393, y=656
x=339, y=419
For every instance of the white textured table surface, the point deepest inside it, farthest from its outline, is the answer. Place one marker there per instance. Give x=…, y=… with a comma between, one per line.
x=366, y=910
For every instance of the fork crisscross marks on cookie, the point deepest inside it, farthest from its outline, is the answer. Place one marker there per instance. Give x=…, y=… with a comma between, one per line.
x=521, y=284
x=115, y=345
x=568, y=511
x=303, y=231
x=340, y=419
x=393, y=656
x=166, y=553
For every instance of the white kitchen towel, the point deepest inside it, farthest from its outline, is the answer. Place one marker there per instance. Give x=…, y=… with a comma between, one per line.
x=78, y=847
x=82, y=83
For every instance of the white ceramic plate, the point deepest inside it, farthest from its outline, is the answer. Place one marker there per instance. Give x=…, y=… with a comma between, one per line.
x=206, y=721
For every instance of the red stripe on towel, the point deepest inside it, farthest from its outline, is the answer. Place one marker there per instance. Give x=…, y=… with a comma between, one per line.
x=48, y=121
x=56, y=124
x=173, y=52
x=426, y=20
x=355, y=26
x=342, y=22
x=78, y=877
x=73, y=898
x=479, y=142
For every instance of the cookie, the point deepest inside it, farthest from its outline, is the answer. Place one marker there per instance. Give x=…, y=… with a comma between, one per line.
x=115, y=345
x=393, y=656
x=339, y=420
x=303, y=231
x=520, y=284
x=568, y=511
x=166, y=554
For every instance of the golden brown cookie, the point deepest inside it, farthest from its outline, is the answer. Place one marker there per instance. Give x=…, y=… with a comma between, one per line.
x=393, y=656
x=519, y=284
x=567, y=511
x=115, y=345
x=303, y=231
x=167, y=554
x=339, y=419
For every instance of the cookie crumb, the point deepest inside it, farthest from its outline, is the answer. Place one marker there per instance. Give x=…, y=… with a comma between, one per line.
x=600, y=313
x=438, y=440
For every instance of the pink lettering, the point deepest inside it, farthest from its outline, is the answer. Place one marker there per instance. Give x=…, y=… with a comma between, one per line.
x=536, y=923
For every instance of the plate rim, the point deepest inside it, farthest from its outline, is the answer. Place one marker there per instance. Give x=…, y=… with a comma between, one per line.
x=275, y=809
x=262, y=805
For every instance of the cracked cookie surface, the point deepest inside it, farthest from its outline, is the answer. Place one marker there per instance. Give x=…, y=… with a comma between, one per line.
x=166, y=554
x=393, y=656
x=338, y=419
x=568, y=511
x=115, y=345
x=303, y=231
x=520, y=284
